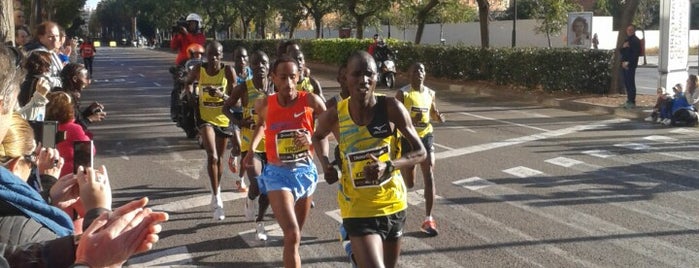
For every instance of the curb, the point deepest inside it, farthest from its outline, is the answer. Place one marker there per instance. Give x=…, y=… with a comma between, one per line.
x=487, y=90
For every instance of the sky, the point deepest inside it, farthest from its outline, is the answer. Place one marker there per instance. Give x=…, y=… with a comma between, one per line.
x=91, y=4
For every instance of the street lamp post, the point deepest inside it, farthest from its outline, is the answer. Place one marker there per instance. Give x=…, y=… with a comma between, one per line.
x=514, y=24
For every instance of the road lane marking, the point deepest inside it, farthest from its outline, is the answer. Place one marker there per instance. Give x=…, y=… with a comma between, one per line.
x=417, y=197
x=633, y=146
x=518, y=111
x=172, y=256
x=503, y=121
x=157, y=84
x=523, y=172
x=197, y=201
x=524, y=139
x=660, y=138
x=599, y=153
x=563, y=161
x=473, y=183
x=650, y=247
x=684, y=131
x=141, y=75
x=442, y=146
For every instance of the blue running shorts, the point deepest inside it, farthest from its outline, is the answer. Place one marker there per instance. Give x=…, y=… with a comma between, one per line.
x=299, y=180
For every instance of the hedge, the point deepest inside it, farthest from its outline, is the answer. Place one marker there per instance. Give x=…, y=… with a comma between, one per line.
x=551, y=69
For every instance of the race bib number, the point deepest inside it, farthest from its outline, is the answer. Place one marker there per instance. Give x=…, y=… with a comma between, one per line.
x=287, y=151
x=358, y=160
x=419, y=116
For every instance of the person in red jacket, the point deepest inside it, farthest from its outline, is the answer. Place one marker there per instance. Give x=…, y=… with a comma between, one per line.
x=186, y=36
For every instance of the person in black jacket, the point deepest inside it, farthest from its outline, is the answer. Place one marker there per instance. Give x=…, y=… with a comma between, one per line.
x=630, y=51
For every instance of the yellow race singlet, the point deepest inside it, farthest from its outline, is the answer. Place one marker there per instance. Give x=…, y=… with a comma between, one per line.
x=248, y=112
x=359, y=197
x=305, y=85
x=418, y=105
x=209, y=106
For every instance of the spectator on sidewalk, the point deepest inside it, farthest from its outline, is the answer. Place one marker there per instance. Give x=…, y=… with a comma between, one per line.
x=630, y=51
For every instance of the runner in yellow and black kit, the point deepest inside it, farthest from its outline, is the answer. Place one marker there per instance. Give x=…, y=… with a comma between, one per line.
x=372, y=195
x=306, y=83
x=420, y=102
x=248, y=93
x=215, y=81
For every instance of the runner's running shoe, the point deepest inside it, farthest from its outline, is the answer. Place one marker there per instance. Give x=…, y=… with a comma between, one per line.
x=261, y=232
x=429, y=227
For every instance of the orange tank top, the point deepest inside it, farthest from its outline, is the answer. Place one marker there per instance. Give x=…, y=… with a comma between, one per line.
x=281, y=126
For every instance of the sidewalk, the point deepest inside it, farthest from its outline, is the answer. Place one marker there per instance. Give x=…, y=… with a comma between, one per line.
x=479, y=88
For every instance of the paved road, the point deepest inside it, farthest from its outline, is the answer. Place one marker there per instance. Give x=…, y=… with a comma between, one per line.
x=647, y=76
x=519, y=185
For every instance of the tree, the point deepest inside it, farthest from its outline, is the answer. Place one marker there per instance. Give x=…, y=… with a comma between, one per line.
x=317, y=9
x=362, y=10
x=292, y=12
x=422, y=12
x=628, y=12
x=552, y=16
x=648, y=14
x=526, y=9
x=483, y=12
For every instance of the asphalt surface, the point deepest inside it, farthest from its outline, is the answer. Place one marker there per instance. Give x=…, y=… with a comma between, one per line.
x=520, y=184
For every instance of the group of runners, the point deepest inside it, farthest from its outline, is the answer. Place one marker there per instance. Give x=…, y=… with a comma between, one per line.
x=284, y=123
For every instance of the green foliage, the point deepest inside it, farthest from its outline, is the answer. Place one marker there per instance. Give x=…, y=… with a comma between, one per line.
x=560, y=69
x=526, y=9
x=452, y=11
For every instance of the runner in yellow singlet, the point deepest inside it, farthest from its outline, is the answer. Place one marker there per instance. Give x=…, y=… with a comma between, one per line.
x=247, y=93
x=372, y=196
x=420, y=102
x=216, y=81
x=306, y=83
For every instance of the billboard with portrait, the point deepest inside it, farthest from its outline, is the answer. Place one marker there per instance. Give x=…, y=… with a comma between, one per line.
x=579, y=28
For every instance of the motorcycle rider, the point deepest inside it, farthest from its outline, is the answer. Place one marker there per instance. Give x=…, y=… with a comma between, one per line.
x=195, y=54
x=186, y=36
x=382, y=53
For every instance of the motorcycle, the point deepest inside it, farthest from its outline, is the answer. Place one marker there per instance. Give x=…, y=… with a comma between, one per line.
x=387, y=70
x=182, y=107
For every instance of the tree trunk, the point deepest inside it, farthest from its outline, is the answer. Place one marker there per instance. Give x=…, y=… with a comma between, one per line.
x=246, y=25
x=645, y=61
x=291, y=32
x=627, y=14
x=548, y=38
x=360, y=27
x=7, y=22
x=483, y=10
x=421, y=17
x=319, y=24
x=420, y=29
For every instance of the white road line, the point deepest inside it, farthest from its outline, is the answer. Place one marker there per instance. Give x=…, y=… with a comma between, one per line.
x=523, y=172
x=417, y=197
x=141, y=75
x=503, y=121
x=660, y=138
x=520, y=140
x=443, y=146
x=599, y=153
x=563, y=161
x=172, y=256
x=473, y=183
x=517, y=111
x=197, y=201
x=684, y=131
x=633, y=146
x=456, y=128
x=498, y=235
x=650, y=247
x=157, y=84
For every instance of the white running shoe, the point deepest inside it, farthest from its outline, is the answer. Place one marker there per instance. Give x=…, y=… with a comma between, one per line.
x=250, y=208
x=261, y=232
x=219, y=214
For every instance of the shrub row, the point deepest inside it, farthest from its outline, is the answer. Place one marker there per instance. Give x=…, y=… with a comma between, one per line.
x=576, y=70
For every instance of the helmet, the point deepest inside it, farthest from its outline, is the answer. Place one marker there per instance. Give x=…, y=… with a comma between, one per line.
x=194, y=17
x=195, y=48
